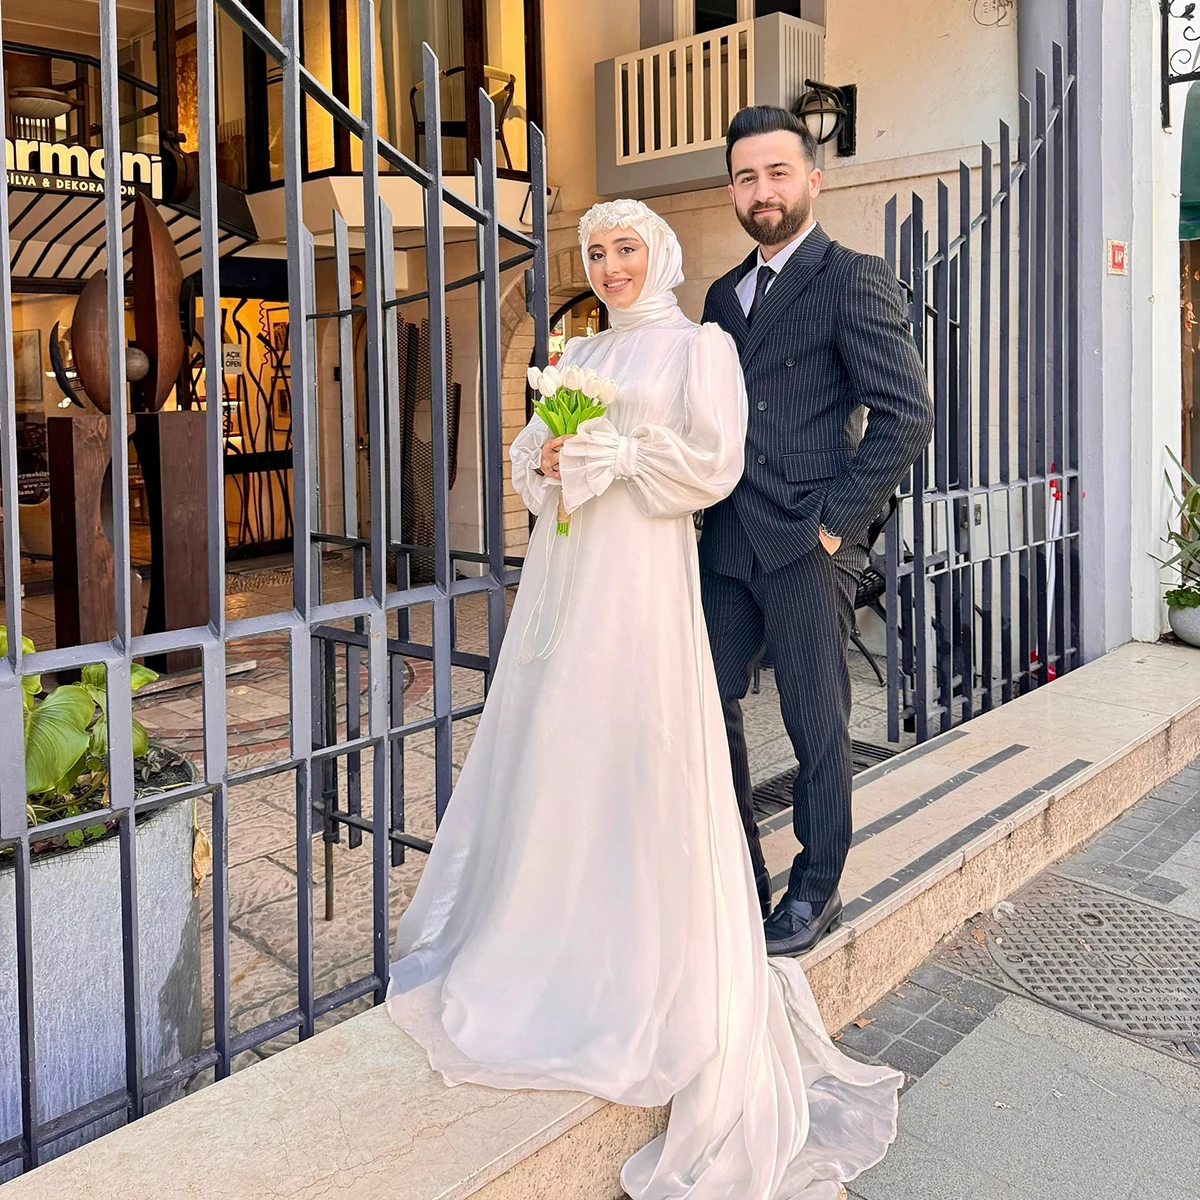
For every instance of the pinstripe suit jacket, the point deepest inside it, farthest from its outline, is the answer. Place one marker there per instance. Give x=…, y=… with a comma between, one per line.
x=829, y=338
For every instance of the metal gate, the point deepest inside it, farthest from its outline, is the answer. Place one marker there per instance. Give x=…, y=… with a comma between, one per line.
x=982, y=555
x=320, y=634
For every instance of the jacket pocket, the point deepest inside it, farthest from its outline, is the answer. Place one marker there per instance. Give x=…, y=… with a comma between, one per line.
x=811, y=465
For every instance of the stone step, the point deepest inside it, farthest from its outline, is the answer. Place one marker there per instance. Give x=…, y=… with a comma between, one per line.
x=945, y=830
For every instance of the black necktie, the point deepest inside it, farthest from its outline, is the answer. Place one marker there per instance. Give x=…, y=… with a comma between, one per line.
x=765, y=276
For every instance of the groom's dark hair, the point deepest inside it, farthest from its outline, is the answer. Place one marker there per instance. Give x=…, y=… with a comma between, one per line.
x=767, y=118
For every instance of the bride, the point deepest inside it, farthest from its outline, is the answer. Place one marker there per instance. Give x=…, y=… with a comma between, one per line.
x=588, y=918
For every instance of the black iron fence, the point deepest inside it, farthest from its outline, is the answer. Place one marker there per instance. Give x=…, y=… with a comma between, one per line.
x=982, y=556
x=371, y=628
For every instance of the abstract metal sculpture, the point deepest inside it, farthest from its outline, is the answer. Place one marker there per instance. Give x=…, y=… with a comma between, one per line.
x=153, y=361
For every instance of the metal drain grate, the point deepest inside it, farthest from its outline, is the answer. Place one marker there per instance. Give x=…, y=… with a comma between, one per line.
x=775, y=794
x=1102, y=957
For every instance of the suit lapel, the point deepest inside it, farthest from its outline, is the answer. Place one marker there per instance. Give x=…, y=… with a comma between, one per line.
x=799, y=272
x=733, y=319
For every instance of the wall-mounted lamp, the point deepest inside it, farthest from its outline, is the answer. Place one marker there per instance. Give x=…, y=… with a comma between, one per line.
x=829, y=112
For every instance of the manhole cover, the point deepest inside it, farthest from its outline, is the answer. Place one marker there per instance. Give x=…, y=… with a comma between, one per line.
x=1102, y=957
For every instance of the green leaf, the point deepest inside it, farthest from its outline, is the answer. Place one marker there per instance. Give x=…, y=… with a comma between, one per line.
x=98, y=745
x=139, y=676
x=96, y=831
x=75, y=838
x=141, y=740
x=56, y=736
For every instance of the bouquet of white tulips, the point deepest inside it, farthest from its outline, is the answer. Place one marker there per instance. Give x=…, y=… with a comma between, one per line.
x=569, y=397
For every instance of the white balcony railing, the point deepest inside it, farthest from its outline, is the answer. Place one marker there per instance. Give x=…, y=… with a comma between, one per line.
x=681, y=96
x=662, y=112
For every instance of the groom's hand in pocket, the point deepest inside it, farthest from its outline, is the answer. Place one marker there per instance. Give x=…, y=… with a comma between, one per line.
x=828, y=540
x=550, y=457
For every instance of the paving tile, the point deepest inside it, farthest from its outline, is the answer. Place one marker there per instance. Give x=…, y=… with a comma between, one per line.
x=955, y=1017
x=934, y=978
x=933, y=1037
x=891, y=1017
x=913, y=999
x=1122, y=877
x=869, y=1040
x=972, y=994
x=1139, y=862
x=1163, y=891
x=910, y=1058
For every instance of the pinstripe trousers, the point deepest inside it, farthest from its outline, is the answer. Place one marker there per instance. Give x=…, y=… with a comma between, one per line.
x=803, y=613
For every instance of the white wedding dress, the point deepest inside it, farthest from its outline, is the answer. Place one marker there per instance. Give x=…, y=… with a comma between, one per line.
x=588, y=918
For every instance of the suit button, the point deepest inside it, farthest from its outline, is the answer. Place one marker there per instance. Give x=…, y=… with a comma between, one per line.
x=762, y=406
x=790, y=362
x=762, y=458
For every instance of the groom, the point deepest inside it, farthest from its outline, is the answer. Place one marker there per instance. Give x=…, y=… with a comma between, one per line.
x=822, y=335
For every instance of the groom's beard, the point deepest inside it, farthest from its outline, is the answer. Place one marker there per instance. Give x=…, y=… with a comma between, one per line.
x=774, y=232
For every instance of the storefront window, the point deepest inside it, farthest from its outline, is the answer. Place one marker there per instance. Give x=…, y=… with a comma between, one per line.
x=504, y=72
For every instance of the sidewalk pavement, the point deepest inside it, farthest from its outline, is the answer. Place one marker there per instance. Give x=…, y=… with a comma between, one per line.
x=1053, y=1046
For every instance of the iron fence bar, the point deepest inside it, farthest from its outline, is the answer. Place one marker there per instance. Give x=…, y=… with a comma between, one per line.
x=390, y=460
x=892, y=531
x=491, y=399
x=435, y=281
x=1043, y=412
x=986, y=574
x=300, y=643
x=379, y=277
x=117, y=675
x=942, y=377
x=966, y=521
x=14, y=664
x=537, y=279
x=906, y=601
x=920, y=620
x=1003, y=393
x=1024, y=387
x=341, y=256
x=26, y=1008
x=1071, y=502
x=1056, y=499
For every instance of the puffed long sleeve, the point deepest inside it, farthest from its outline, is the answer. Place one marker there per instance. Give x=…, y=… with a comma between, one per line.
x=669, y=473
x=525, y=454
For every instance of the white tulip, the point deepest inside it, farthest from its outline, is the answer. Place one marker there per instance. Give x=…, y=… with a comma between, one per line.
x=533, y=375
x=608, y=391
x=591, y=384
x=550, y=382
x=573, y=379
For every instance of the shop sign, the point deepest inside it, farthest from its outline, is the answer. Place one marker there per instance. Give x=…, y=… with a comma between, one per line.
x=77, y=170
x=231, y=358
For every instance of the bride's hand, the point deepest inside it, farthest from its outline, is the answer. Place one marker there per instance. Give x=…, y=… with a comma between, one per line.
x=550, y=456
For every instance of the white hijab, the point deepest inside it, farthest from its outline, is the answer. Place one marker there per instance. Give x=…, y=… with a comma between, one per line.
x=664, y=273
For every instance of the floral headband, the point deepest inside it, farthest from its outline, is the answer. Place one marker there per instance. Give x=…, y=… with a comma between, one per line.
x=619, y=214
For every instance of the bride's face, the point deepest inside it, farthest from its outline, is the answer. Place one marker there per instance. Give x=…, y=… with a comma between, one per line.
x=617, y=261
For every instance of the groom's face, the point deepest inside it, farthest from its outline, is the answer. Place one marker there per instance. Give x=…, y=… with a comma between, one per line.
x=773, y=186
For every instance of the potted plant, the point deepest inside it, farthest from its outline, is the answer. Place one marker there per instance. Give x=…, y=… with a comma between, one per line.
x=75, y=884
x=1183, y=600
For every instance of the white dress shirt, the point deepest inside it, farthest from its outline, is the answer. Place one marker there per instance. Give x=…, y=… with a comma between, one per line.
x=745, y=289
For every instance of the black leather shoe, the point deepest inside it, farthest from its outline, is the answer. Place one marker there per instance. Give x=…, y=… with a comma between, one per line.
x=763, y=883
x=795, y=927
